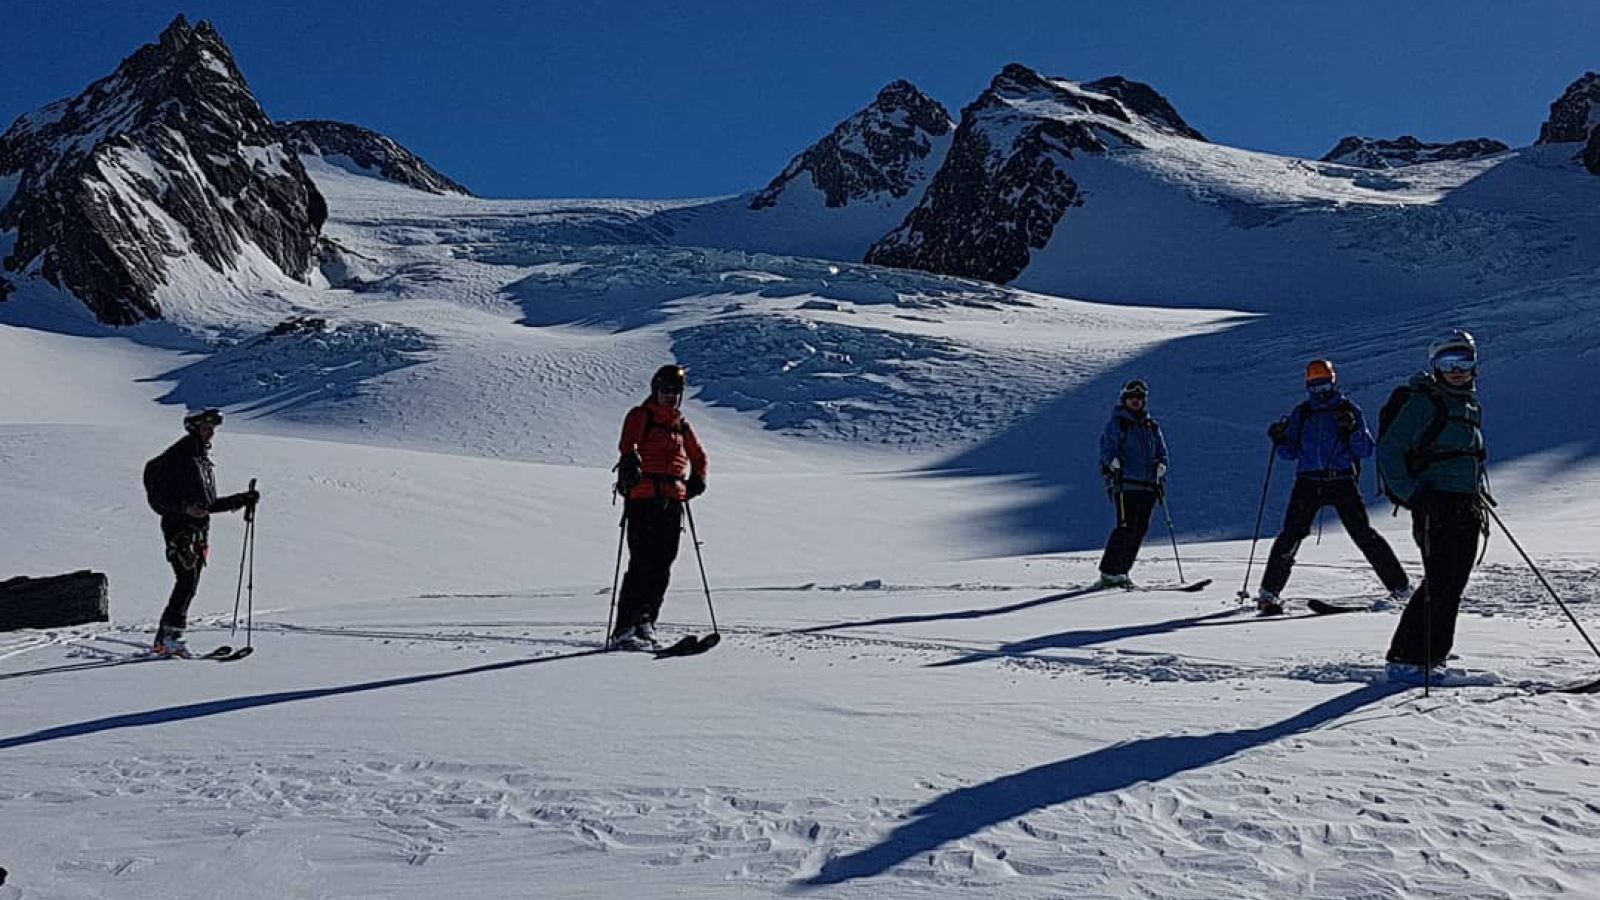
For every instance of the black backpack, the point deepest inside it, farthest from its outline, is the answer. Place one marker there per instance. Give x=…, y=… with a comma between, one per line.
x=155, y=485
x=1418, y=456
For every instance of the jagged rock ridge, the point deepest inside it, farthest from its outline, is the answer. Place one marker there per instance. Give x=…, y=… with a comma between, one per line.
x=367, y=151
x=170, y=155
x=891, y=147
x=1004, y=184
x=1375, y=153
x=1573, y=118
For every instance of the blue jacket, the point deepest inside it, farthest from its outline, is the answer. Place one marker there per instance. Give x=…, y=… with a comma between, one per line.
x=1313, y=438
x=1135, y=439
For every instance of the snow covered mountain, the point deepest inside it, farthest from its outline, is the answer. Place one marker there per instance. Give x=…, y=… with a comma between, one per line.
x=892, y=147
x=1376, y=153
x=1573, y=117
x=365, y=152
x=169, y=164
x=1004, y=184
x=839, y=195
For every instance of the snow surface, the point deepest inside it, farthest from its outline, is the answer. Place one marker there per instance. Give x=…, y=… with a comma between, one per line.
x=915, y=695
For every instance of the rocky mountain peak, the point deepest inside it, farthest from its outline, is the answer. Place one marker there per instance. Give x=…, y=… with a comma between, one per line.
x=366, y=152
x=1574, y=114
x=170, y=155
x=1376, y=153
x=1573, y=118
x=889, y=149
x=1005, y=182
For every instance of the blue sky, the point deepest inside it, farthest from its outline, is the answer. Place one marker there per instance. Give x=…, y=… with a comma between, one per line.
x=673, y=99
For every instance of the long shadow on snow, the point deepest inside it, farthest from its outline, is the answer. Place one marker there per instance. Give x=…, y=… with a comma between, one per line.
x=235, y=704
x=1087, y=637
x=959, y=615
x=967, y=811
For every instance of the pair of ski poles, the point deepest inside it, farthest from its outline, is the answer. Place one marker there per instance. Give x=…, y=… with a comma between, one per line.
x=1161, y=498
x=710, y=640
x=247, y=557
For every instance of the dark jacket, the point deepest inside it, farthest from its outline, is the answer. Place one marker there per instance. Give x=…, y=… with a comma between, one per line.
x=1314, y=438
x=1459, y=448
x=1134, y=438
x=187, y=480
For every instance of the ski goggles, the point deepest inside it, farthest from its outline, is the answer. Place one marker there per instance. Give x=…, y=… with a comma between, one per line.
x=1320, y=386
x=1455, y=361
x=212, y=417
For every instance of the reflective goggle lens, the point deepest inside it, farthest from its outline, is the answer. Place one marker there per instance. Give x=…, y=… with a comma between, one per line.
x=1455, y=362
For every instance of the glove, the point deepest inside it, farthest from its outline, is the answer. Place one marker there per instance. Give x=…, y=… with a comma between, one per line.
x=630, y=471
x=1115, y=465
x=1278, y=430
x=1161, y=471
x=250, y=497
x=694, y=486
x=1347, y=422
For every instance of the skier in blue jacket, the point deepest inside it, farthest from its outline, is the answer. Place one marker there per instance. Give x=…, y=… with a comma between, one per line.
x=1133, y=459
x=1327, y=436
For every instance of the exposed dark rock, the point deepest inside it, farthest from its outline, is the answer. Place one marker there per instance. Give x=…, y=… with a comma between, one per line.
x=1144, y=101
x=366, y=150
x=1574, y=115
x=1591, y=161
x=170, y=155
x=1004, y=186
x=891, y=147
x=1373, y=153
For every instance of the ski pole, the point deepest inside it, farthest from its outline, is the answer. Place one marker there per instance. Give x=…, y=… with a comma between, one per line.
x=1272, y=457
x=244, y=553
x=1171, y=532
x=694, y=538
x=616, y=576
x=1542, y=579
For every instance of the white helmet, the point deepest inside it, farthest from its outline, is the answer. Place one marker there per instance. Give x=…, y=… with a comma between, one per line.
x=1455, y=340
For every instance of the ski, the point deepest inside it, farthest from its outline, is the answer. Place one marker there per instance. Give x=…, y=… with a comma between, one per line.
x=1324, y=608
x=1582, y=687
x=1183, y=588
x=690, y=645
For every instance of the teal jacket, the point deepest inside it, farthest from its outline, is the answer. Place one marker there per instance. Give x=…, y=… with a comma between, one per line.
x=1458, y=451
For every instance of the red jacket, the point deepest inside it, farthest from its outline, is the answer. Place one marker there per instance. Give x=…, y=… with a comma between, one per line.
x=667, y=448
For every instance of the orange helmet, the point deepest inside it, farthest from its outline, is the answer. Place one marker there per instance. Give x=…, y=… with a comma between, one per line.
x=1320, y=370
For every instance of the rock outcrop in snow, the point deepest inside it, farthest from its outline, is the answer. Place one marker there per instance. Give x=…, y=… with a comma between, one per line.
x=892, y=147
x=169, y=157
x=1005, y=182
x=1377, y=153
x=1573, y=118
x=366, y=152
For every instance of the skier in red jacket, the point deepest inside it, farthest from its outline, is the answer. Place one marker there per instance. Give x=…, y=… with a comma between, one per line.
x=662, y=467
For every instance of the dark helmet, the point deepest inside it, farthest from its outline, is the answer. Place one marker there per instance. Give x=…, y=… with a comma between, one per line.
x=212, y=417
x=669, y=376
x=1135, y=388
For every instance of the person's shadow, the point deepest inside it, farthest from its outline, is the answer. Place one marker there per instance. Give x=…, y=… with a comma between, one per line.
x=968, y=811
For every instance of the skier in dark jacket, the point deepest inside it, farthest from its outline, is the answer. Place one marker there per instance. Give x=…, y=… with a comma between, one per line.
x=1327, y=436
x=185, y=494
x=1442, y=482
x=662, y=467
x=1133, y=460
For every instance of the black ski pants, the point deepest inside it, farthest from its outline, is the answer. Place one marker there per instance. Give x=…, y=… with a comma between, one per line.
x=1307, y=499
x=187, y=549
x=654, y=527
x=1133, y=520
x=1447, y=528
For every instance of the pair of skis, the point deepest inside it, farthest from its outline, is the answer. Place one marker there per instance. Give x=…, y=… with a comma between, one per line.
x=223, y=653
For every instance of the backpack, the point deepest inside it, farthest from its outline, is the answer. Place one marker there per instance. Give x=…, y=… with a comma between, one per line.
x=1418, y=455
x=155, y=485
